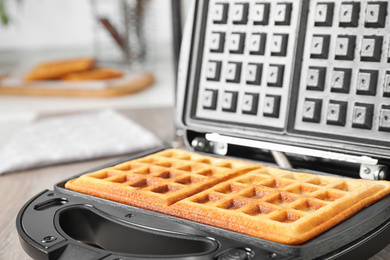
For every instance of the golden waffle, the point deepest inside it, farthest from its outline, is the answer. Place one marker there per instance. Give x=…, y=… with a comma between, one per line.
x=281, y=206
x=278, y=205
x=58, y=69
x=159, y=180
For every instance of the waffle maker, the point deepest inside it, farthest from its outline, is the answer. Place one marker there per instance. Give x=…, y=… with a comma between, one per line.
x=303, y=83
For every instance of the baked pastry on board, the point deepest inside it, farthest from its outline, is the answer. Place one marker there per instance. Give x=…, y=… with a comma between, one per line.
x=93, y=74
x=57, y=69
x=77, y=77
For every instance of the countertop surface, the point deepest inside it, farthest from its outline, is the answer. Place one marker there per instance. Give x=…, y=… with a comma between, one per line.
x=17, y=188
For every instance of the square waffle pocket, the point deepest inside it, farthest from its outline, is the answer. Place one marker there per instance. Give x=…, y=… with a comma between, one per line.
x=278, y=205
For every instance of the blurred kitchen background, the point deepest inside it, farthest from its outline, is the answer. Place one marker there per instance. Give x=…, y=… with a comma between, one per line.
x=45, y=30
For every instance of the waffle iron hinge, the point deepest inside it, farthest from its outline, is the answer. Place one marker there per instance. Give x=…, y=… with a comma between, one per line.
x=374, y=172
x=218, y=144
x=201, y=144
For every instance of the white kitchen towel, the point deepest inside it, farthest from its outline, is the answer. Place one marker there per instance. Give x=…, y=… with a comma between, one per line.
x=74, y=138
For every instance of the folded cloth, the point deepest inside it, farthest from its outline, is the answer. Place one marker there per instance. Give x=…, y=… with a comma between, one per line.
x=74, y=138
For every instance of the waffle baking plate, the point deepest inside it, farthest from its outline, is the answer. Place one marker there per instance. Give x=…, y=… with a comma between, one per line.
x=63, y=224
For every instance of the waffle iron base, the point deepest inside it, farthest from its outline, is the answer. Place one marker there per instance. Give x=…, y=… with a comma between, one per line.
x=63, y=224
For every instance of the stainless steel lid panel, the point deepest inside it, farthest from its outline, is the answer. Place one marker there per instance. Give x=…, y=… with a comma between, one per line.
x=306, y=73
x=345, y=78
x=247, y=64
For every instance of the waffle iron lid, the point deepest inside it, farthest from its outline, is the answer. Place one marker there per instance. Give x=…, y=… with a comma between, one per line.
x=308, y=74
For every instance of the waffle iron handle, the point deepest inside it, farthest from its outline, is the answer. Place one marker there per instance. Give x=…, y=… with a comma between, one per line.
x=54, y=226
x=38, y=235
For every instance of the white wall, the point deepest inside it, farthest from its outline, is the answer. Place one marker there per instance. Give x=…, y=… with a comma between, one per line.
x=42, y=24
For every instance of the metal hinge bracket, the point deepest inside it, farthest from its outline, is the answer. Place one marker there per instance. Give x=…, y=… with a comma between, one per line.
x=373, y=172
x=201, y=144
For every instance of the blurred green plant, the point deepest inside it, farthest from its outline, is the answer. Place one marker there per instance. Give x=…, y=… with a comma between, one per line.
x=3, y=13
x=4, y=17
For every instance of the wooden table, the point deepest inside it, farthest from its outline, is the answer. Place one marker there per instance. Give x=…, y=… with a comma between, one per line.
x=17, y=188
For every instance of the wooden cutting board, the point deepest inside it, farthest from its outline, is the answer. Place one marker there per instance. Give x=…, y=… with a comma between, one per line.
x=128, y=84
